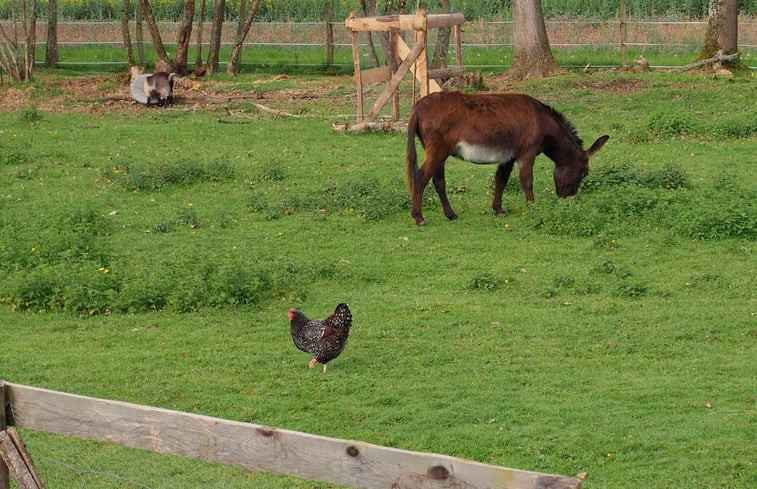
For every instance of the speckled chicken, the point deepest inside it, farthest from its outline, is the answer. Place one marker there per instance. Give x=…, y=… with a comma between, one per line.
x=324, y=339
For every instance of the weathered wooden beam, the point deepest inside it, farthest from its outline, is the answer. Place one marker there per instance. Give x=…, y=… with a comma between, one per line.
x=256, y=447
x=395, y=81
x=404, y=52
x=358, y=75
x=403, y=22
x=26, y=457
x=376, y=75
x=12, y=451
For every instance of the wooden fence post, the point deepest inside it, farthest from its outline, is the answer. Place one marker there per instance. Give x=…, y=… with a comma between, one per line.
x=623, y=34
x=329, y=35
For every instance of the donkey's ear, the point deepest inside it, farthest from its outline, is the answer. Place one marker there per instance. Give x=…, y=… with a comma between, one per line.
x=597, y=145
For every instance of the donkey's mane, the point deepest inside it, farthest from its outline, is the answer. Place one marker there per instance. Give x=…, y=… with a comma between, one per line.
x=565, y=122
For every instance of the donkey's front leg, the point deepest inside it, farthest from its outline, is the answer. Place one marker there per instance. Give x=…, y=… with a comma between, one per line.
x=526, y=174
x=500, y=181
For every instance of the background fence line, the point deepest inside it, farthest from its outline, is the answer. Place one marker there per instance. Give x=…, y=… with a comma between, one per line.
x=662, y=34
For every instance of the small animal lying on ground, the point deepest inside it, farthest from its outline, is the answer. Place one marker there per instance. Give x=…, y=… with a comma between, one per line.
x=158, y=88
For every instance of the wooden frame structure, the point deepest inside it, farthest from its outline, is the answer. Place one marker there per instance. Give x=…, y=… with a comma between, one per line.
x=251, y=446
x=413, y=59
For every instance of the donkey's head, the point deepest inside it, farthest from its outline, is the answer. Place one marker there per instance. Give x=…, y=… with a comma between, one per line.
x=571, y=170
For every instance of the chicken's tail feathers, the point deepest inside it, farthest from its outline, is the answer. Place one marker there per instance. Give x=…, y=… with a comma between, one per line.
x=342, y=317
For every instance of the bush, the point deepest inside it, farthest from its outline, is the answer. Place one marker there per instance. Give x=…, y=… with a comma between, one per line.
x=485, y=281
x=364, y=196
x=313, y=10
x=14, y=158
x=670, y=124
x=157, y=176
x=671, y=176
x=650, y=199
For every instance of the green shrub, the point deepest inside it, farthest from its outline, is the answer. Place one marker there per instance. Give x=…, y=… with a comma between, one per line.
x=36, y=289
x=670, y=176
x=670, y=124
x=739, y=126
x=30, y=114
x=485, y=281
x=158, y=176
x=632, y=290
x=14, y=158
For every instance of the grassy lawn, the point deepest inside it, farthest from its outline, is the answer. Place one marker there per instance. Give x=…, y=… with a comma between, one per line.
x=150, y=256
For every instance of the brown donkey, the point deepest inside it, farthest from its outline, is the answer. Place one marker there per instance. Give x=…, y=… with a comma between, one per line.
x=492, y=128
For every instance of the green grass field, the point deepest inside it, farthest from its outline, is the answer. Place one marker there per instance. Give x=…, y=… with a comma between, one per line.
x=275, y=59
x=150, y=256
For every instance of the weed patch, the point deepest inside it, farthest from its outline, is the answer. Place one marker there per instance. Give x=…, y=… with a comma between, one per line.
x=365, y=197
x=155, y=177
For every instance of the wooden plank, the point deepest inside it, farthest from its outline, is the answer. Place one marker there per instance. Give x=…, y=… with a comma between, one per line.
x=27, y=458
x=404, y=22
x=10, y=454
x=459, y=57
x=393, y=65
x=394, y=83
x=404, y=51
x=257, y=447
x=376, y=75
x=358, y=75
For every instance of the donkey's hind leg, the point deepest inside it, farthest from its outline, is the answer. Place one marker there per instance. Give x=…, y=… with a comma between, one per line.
x=500, y=181
x=440, y=186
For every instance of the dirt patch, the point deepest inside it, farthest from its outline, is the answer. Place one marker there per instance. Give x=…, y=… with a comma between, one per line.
x=620, y=85
x=108, y=93
x=111, y=93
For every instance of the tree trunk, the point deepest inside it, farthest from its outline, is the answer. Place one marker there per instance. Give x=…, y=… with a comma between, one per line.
x=51, y=48
x=200, y=25
x=240, y=28
x=439, y=59
x=29, y=18
x=722, y=30
x=9, y=54
x=371, y=48
x=532, y=54
x=215, y=37
x=185, y=34
x=236, y=52
x=124, y=31
x=157, y=42
x=139, y=34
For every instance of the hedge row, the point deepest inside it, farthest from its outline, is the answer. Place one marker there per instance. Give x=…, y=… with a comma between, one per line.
x=313, y=10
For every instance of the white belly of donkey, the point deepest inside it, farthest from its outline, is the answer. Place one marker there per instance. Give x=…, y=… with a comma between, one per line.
x=479, y=153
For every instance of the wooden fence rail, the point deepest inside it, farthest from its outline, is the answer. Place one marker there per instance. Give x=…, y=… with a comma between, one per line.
x=255, y=447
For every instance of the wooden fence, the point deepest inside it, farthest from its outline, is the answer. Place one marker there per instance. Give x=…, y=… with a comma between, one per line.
x=251, y=446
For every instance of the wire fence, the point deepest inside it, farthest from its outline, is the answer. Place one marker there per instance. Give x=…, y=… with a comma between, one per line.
x=667, y=36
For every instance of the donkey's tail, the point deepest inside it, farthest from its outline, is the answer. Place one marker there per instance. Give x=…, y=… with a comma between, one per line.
x=411, y=162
